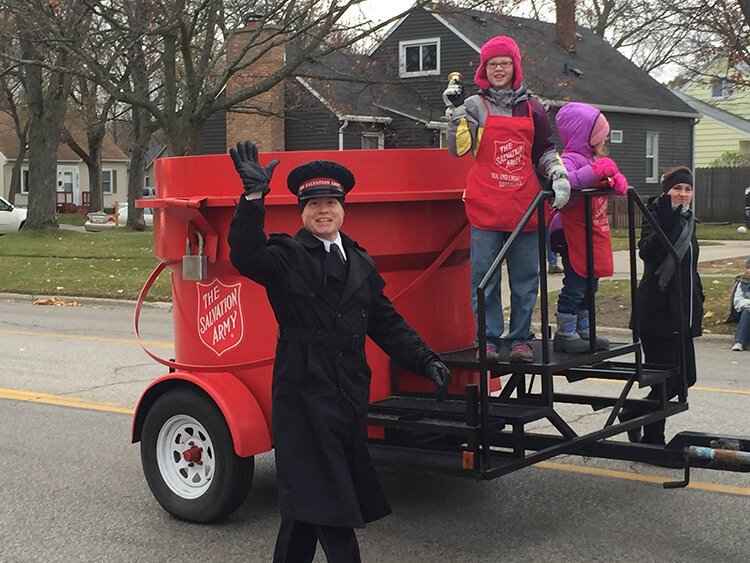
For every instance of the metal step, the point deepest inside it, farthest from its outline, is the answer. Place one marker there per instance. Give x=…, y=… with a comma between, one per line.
x=557, y=361
x=426, y=414
x=651, y=374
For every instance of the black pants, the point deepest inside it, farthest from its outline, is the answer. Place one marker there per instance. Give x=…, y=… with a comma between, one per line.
x=297, y=541
x=664, y=351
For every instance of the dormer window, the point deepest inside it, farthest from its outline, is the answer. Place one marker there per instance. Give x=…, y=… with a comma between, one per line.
x=721, y=88
x=420, y=57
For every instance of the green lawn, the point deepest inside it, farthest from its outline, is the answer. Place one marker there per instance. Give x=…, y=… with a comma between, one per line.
x=111, y=264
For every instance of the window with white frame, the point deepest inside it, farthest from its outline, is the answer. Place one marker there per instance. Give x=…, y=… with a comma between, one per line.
x=373, y=140
x=24, y=180
x=107, y=182
x=420, y=57
x=721, y=88
x=652, y=157
x=615, y=136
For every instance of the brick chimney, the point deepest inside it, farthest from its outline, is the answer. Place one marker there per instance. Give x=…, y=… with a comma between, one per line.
x=266, y=131
x=565, y=26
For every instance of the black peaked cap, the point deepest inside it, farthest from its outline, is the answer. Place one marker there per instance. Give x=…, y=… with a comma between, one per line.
x=320, y=178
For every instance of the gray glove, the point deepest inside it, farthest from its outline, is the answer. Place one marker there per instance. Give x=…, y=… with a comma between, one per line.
x=255, y=178
x=560, y=185
x=455, y=114
x=437, y=372
x=453, y=96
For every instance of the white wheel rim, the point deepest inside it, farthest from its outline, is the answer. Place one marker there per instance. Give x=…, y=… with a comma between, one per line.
x=180, y=440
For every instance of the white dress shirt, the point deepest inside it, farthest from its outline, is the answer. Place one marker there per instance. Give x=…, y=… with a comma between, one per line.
x=338, y=242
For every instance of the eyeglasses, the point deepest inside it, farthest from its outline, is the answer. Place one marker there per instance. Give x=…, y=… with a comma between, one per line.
x=505, y=65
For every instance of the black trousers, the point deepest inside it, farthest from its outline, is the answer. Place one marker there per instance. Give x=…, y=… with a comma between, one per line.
x=664, y=351
x=297, y=541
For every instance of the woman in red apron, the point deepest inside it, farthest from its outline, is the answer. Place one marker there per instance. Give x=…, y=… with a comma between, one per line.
x=510, y=136
x=584, y=130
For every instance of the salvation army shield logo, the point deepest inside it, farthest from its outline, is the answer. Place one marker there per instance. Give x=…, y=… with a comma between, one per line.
x=220, y=323
x=509, y=155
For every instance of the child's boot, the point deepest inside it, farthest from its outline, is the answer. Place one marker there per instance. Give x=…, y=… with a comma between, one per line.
x=566, y=338
x=583, y=331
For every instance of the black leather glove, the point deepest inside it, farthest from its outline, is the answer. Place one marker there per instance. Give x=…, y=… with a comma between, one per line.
x=255, y=178
x=439, y=374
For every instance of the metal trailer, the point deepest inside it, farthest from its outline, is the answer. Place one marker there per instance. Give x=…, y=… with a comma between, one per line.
x=201, y=423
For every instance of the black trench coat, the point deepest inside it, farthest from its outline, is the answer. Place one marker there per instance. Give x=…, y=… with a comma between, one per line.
x=321, y=379
x=658, y=310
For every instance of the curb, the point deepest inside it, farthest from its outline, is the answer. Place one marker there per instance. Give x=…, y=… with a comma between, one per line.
x=89, y=301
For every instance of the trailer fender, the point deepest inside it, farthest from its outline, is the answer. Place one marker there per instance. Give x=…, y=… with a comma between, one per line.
x=247, y=425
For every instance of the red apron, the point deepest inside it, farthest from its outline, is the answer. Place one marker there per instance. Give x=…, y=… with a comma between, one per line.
x=502, y=183
x=573, y=218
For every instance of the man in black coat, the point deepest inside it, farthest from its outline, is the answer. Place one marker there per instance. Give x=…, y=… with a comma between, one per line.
x=327, y=296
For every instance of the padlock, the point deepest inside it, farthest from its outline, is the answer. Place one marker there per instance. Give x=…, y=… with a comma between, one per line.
x=194, y=266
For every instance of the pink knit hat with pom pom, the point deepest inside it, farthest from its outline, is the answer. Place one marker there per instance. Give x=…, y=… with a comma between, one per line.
x=500, y=46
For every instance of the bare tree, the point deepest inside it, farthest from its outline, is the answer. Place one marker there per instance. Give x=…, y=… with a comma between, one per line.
x=185, y=49
x=93, y=109
x=45, y=76
x=10, y=87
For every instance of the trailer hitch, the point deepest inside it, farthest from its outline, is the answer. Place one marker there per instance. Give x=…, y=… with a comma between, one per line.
x=719, y=450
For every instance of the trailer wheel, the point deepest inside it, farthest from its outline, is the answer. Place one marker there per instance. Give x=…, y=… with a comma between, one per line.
x=188, y=458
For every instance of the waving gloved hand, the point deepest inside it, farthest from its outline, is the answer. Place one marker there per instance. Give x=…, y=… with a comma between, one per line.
x=255, y=178
x=437, y=372
x=668, y=216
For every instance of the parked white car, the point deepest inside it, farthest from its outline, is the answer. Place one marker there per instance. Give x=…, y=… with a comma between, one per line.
x=12, y=218
x=101, y=221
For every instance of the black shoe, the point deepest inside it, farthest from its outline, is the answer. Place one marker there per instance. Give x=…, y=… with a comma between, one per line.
x=634, y=435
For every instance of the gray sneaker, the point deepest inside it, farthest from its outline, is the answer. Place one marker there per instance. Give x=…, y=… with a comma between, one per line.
x=492, y=355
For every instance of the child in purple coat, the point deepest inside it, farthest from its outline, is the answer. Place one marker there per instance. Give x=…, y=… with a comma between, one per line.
x=583, y=129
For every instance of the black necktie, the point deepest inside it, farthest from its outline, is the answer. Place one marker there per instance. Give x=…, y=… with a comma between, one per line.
x=335, y=265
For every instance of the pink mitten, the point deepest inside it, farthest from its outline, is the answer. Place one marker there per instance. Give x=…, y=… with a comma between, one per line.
x=604, y=168
x=619, y=183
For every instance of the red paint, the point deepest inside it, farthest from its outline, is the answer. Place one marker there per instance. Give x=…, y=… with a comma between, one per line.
x=405, y=209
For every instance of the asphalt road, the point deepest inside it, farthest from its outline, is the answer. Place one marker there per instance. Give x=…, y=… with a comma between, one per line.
x=72, y=488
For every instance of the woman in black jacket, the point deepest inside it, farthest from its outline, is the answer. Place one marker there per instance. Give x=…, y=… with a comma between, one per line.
x=661, y=304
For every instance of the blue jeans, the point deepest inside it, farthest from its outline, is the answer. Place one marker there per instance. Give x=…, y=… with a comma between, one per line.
x=551, y=256
x=574, y=295
x=742, y=334
x=523, y=273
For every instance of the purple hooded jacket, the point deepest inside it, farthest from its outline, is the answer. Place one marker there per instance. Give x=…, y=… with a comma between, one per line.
x=575, y=121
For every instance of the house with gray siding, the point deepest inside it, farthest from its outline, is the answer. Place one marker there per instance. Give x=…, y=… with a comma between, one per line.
x=652, y=129
x=391, y=97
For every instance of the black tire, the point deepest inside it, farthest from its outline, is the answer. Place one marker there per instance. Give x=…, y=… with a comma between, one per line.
x=202, y=492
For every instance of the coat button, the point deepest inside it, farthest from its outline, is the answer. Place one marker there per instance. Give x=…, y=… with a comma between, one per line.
x=338, y=314
x=339, y=353
x=312, y=294
x=364, y=313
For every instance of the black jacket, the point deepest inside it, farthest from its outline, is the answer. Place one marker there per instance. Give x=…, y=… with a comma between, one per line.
x=658, y=311
x=321, y=378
